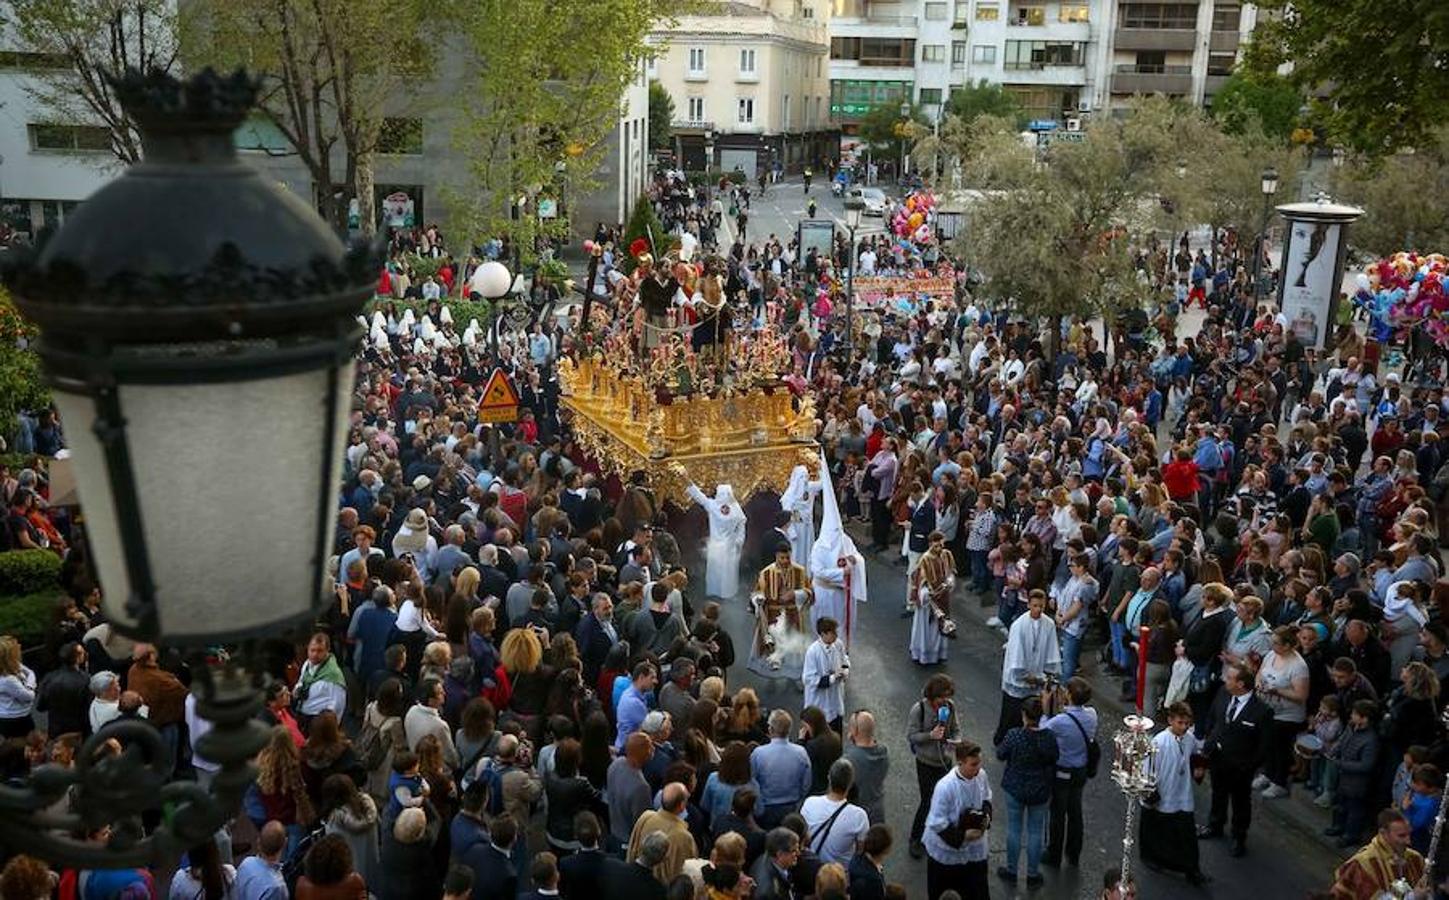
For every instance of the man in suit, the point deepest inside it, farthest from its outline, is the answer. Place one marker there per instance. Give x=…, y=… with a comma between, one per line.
x=1236, y=746
x=772, y=870
x=493, y=872
x=595, y=636
x=635, y=880
x=866, y=871
x=581, y=873
x=923, y=522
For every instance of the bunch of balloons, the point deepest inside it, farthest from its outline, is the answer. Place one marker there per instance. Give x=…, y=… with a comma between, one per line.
x=912, y=218
x=1406, y=289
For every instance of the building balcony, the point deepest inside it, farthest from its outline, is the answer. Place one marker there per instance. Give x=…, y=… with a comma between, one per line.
x=1038, y=73
x=1130, y=79
x=1224, y=41
x=1153, y=39
x=880, y=20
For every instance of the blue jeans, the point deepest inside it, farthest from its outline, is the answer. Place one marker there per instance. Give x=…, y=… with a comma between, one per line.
x=1071, y=650
x=980, y=574
x=1120, y=653
x=1034, y=817
x=1006, y=604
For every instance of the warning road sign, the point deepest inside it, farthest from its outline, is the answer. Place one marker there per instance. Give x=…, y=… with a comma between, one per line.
x=500, y=401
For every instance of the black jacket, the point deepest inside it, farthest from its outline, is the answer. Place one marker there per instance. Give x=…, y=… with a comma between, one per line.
x=923, y=522
x=1242, y=744
x=866, y=881
x=627, y=881
x=493, y=873
x=65, y=694
x=580, y=874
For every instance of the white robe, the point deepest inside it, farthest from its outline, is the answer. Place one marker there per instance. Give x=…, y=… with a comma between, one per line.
x=828, y=576
x=829, y=583
x=822, y=661
x=799, y=501
x=1174, y=771
x=726, y=543
x=1031, y=649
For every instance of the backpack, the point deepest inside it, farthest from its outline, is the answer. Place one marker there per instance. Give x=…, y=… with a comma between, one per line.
x=490, y=776
x=371, y=745
x=1094, y=749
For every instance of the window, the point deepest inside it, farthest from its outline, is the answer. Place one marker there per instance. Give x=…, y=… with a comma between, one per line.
x=1151, y=62
x=746, y=114
x=984, y=54
x=807, y=12
x=1040, y=54
x=1176, y=16
x=747, y=62
x=696, y=62
x=958, y=53
x=1074, y=12
x=1028, y=15
x=696, y=109
x=933, y=53
x=1227, y=17
x=987, y=12
x=785, y=112
x=936, y=12
x=19, y=59
x=930, y=97
x=893, y=52
x=401, y=136
x=963, y=12
x=1221, y=63
x=84, y=138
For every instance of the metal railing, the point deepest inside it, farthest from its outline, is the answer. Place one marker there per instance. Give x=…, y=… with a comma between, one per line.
x=1132, y=69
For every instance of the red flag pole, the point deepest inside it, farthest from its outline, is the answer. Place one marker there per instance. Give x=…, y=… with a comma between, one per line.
x=1142, y=633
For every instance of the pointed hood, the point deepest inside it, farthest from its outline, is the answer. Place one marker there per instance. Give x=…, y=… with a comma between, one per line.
x=833, y=542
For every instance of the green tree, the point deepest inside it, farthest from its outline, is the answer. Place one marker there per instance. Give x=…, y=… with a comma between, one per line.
x=883, y=128
x=79, y=42
x=1399, y=196
x=643, y=223
x=661, y=116
x=544, y=94
x=1051, y=234
x=1267, y=102
x=1230, y=168
x=22, y=386
x=984, y=98
x=329, y=69
x=1386, y=65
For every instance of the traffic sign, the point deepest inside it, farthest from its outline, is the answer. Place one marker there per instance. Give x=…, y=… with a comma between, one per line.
x=499, y=403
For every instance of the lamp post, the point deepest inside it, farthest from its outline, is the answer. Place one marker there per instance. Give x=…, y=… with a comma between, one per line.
x=905, y=119
x=492, y=281
x=854, y=206
x=1134, y=768
x=187, y=302
x=1269, y=187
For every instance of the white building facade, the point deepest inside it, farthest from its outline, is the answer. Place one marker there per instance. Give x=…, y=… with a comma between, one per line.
x=749, y=83
x=1062, y=59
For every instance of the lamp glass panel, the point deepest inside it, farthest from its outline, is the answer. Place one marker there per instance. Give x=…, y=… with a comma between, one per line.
x=230, y=478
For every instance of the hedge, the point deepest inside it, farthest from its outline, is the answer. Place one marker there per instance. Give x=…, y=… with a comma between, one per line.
x=28, y=571
x=27, y=617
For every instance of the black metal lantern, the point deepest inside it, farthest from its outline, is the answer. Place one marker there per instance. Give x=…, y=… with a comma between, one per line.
x=198, y=327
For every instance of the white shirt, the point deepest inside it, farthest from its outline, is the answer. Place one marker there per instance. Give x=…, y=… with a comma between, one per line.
x=196, y=727
x=322, y=695
x=839, y=844
x=1031, y=649
x=952, y=796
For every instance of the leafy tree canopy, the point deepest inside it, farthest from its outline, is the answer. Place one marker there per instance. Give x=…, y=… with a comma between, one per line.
x=1385, y=66
x=1250, y=101
x=969, y=102
x=661, y=115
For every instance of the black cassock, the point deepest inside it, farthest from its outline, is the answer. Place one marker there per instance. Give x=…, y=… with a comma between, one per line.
x=656, y=299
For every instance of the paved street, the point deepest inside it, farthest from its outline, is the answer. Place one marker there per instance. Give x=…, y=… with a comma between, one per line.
x=1281, y=859
x=783, y=206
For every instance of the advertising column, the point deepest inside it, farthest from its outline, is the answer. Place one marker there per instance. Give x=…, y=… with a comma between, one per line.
x=1313, y=257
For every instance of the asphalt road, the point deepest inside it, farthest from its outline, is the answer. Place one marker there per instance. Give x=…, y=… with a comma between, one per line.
x=1281, y=861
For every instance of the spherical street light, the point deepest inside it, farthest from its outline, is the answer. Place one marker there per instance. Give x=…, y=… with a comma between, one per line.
x=491, y=280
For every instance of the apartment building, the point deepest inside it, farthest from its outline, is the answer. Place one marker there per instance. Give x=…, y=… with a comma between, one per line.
x=749, y=83
x=1062, y=59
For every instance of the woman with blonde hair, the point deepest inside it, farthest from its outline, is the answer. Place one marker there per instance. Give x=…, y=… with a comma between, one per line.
x=280, y=786
x=1248, y=639
x=743, y=723
x=17, y=691
x=522, y=655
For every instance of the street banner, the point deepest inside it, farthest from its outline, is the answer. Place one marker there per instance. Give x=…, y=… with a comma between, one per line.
x=871, y=289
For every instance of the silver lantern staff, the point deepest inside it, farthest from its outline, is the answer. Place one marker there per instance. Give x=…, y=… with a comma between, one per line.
x=1429, y=858
x=1134, y=768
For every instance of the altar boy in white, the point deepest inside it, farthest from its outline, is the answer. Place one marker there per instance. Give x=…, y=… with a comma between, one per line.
x=832, y=558
x=826, y=667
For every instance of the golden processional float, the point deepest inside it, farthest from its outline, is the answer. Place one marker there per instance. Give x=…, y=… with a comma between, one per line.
x=725, y=415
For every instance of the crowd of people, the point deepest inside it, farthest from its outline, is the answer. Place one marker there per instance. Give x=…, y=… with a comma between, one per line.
x=518, y=685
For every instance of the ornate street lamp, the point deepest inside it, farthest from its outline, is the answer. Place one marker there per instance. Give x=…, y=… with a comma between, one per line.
x=492, y=281
x=854, y=206
x=1134, y=768
x=198, y=329
x=1269, y=187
